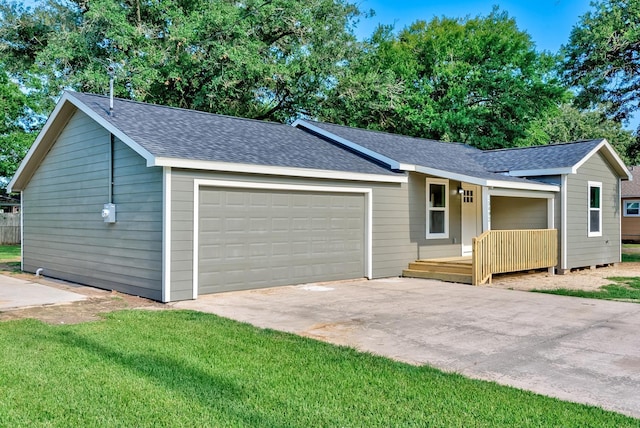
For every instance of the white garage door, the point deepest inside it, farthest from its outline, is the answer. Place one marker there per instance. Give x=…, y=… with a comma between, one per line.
x=249, y=238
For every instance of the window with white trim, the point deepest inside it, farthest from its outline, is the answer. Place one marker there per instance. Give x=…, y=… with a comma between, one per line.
x=632, y=208
x=595, y=209
x=437, y=208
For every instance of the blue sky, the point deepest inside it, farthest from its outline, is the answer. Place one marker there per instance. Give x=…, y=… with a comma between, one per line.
x=548, y=22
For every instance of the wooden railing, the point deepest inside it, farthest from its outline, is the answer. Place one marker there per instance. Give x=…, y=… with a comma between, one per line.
x=500, y=251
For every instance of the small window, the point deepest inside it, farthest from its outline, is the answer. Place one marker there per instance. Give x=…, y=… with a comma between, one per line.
x=437, y=209
x=632, y=208
x=595, y=209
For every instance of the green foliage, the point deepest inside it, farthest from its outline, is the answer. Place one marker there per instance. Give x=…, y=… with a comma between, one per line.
x=261, y=59
x=627, y=289
x=476, y=80
x=179, y=368
x=568, y=123
x=14, y=126
x=602, y=57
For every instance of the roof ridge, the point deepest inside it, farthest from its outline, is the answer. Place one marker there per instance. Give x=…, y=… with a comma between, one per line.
x=144, y=103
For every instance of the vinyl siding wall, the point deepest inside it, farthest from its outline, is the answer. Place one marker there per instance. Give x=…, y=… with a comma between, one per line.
x=64, y=232
x=592, y=251
x=509, y=213
x=434, y=248
x=392, y=247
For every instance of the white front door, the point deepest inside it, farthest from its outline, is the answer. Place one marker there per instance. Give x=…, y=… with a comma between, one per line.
x=471, y=216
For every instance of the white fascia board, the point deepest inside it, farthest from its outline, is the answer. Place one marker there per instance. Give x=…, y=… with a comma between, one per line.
x=111, y=128
x=451, y=175
x=520, y=193
x=488, y=183
x=275, y=170
x=38, y=141
x=539, y=172
x=523, y=186
x=612, y=154
x=393, y=164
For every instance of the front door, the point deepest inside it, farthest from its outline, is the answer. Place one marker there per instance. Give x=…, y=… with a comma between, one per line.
x=471, y=216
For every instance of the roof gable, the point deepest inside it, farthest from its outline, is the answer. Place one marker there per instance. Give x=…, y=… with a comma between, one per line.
x=174, y=137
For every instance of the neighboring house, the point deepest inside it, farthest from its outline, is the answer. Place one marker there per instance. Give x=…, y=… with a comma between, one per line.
x=169, y=203
x=631, y=208
x=9, y=204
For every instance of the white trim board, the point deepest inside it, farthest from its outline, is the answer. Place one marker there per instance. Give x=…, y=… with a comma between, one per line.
x=199, y=183
x=166, y=234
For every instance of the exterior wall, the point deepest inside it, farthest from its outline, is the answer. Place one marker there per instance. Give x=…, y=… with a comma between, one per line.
x=509, y=213
x=433, y=248
x=630, y=225
x=592, y=251
x=392, y=246
x=64, y=232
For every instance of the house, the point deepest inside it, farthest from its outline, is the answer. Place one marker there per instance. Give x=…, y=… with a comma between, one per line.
x=631, y=208
x=169, y=204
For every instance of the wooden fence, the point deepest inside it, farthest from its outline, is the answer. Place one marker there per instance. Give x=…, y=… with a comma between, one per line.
x=9, y=228
x=500, y=251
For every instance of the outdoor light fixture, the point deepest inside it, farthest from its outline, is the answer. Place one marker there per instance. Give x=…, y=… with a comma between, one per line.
x=460, y=190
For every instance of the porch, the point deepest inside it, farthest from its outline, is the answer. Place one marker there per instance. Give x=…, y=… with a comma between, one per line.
x=494, y=251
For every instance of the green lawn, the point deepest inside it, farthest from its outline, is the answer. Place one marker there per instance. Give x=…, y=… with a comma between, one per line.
x=632, y=257
x=182, y=368
x=9, y=253
x=625, y=288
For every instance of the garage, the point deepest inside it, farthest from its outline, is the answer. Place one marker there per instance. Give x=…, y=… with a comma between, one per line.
x=253, y=235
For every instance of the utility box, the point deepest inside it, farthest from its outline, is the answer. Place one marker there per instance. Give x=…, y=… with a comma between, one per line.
x=109, y=213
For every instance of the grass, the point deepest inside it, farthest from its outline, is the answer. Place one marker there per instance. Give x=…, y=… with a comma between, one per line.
x=9, y=253
x=625, y=288
x=630, y=257
x=181, y=368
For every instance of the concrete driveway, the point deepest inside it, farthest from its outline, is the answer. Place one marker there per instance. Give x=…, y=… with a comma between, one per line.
x=574, y=349
x=18, y=293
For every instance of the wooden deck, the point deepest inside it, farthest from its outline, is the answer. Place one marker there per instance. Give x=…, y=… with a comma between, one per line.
x=450, y=269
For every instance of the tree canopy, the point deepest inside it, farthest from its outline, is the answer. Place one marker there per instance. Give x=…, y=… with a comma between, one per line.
x=265, y=59
x=474, y=80
x=602, y=58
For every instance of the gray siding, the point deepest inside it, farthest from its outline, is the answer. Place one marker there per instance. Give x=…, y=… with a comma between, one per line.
x=433, y=248
x=518, y=213
x=63, y=229
x=581, y=249
x=392, y=247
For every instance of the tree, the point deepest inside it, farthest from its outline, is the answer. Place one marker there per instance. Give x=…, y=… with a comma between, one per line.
x=569, y=123
x=15, y=125
x=602, y=58
x=265, y=59
x=475, y=80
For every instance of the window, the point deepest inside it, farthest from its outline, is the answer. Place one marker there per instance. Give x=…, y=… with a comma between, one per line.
x=632, y=208
x=437, y=208
x=595, y=209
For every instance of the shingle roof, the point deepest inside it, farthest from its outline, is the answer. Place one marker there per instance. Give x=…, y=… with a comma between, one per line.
x=451, y=157
x=188, y=134
x=631, y=188
x=552, y=156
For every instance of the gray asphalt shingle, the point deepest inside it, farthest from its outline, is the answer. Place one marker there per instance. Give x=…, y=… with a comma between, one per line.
x=564, y=155
x=187, y=134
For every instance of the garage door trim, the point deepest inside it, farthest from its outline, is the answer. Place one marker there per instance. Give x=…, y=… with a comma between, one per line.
x=199, y=183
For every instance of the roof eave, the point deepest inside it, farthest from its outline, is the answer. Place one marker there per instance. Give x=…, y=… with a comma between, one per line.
x=276, y=170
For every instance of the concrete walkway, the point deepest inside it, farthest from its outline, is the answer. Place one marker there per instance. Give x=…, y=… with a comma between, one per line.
x=575, y=349
x=18, y=293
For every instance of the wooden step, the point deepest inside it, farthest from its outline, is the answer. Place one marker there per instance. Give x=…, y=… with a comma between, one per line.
x=443, y=267
x=442, y=276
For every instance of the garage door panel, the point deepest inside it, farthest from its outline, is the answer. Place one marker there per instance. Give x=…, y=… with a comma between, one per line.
x=262, y=238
